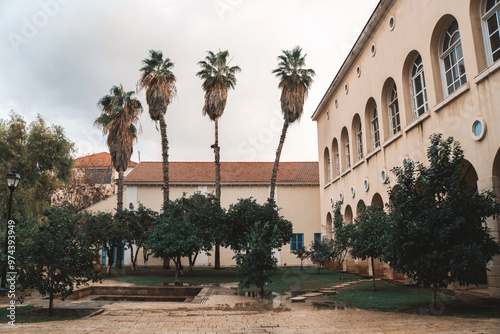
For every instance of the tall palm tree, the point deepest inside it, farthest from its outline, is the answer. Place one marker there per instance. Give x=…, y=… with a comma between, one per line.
x=217, y=78
x=295, y=82
x=120, y=113
x=159, y=81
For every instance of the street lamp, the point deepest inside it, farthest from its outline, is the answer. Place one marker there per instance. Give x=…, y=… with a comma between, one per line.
x=12, y=181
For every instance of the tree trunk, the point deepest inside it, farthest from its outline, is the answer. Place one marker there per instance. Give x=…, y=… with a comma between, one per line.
x=51, y=304
x=132, y=257
x=119, y=195
x=166, y=263
x=373, y=275
x=164, y=146
x=111, y=259
x=119, y=206
x=301, y=265
x=434, y=293
x=262, y=291
x=217, y=186
x=277, y=161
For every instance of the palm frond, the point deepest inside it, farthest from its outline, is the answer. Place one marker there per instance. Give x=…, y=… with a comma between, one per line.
x=295, y=82
x=217, y=78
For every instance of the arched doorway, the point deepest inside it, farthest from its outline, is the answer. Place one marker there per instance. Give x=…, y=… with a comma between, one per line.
x=469, y=178
x=360, y=207
x=377, y=200
x=328, y=227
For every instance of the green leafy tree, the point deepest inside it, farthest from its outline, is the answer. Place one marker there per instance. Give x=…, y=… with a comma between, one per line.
x=137, y=225
x=182, y=229
x=322, y=253
x=56, y=259
x=256, y=264
x=301, y=253
x=41, y=154
x=101, y=230
x=207, y=218
x=242, y=217
x=295, y=82
x=159, y=81
x=369, y=235
x=341, y=237
x=217, y=78
x=438, y=226
x=120, y=113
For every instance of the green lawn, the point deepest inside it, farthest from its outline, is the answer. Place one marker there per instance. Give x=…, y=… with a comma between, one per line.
x=391, y=297
x=29, y=313
x=285, y=279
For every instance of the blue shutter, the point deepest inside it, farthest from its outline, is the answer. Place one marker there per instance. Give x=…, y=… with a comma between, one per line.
x=103, y=256
x=300, y=241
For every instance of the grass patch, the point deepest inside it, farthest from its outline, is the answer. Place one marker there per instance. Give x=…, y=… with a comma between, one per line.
x=31, y=314
x=390, y=297
x=284, y=279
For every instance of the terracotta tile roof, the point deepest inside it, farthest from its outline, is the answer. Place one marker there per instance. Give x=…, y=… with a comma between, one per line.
x=98, y=159
x=231, y=172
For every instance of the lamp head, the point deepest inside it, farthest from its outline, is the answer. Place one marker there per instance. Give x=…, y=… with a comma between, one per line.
x=13, y=180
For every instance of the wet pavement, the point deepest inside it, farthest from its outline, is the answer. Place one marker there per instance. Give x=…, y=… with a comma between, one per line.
x=219, y=310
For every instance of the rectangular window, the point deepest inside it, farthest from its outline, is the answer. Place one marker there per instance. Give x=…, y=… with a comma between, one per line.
x=317, y=238
x=296, y=241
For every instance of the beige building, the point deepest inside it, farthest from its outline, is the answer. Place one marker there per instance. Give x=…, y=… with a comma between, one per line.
x=418, y=68
x=297, y=196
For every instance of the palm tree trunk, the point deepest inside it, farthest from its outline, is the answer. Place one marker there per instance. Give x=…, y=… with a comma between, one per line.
x=119, y=206
x=217, y=186
x=277, y=161
x=164, y=146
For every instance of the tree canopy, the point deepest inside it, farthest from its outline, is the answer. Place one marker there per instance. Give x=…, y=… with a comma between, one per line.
x=438, y=231
x=41, y=154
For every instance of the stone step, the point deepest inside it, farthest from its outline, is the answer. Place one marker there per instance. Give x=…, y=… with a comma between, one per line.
x=298, y=299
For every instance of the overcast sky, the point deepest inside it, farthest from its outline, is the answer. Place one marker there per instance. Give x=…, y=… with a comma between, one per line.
x=58, y=57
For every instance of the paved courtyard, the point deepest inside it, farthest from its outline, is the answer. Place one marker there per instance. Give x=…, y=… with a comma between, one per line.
x=224, y=312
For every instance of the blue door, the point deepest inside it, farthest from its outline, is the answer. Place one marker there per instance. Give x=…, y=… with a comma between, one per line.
x=105, y=258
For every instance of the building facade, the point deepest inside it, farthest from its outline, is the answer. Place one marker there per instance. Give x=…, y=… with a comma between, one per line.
x=297, y=192
x=418, y=68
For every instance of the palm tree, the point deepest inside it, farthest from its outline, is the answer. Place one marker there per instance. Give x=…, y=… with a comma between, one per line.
x=295, y=82
x=120, y=113
x=217, y=78
x=159, y=81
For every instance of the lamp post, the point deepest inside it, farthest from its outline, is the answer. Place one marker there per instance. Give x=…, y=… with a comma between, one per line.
x=12, y=181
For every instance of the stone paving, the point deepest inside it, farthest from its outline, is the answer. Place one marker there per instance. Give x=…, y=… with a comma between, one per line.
x=224, y=312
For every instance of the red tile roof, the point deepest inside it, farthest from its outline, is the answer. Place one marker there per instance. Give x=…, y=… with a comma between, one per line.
x=231, y=172
x=98, y=159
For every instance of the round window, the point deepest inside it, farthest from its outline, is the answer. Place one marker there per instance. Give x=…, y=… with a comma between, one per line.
x=341, y=197
x=336, y=103
x=366, y=184
x=392, y=22
x=346, y=88
x=373, y=49
x=352, y=191
x=383, y=175
x=358, y=71
x=478, y=128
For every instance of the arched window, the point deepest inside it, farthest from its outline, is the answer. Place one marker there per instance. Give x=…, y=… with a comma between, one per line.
x=328, y=171
x=418, y=90
x=375, y=128
x=359, y=139
x=452, y=59
x=336, y=156
x=347, y=151
x=393, y=108
x=491, y=31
